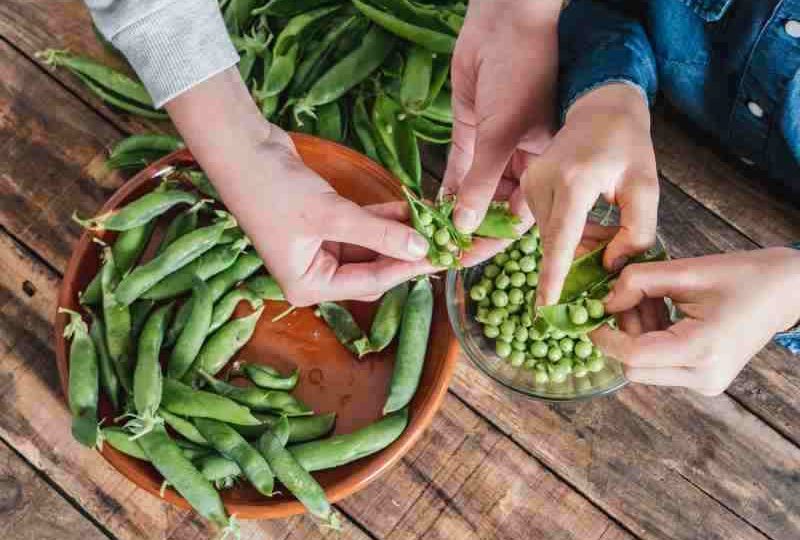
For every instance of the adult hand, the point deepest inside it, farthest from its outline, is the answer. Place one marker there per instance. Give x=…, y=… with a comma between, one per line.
x=503, y=73
x=302, y=228
x=604, y=148
x=733, y=305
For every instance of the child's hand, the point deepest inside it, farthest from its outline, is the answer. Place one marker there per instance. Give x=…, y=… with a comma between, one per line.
x=603, y=149
x=733, y=305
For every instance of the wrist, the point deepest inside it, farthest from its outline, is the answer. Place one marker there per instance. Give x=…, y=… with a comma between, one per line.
x=535, y=13
x=612, y=100
x=790, y=269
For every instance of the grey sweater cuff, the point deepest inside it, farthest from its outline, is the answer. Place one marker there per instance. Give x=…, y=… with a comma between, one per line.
x=171, y=45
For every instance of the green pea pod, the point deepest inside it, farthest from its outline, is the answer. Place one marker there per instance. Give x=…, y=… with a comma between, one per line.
x=499, y=222
x=200, y=181
x=139, y=311
x=132, y=161
x=301, y=428
x=222, y=345
x=184, y=223
x=296, y=479
x=251, y=48
x=561, y=316
x=329, y=122
x=439, y=76
x=412, y=345
x=290, y=8
x=397, y=144
x=219, y=470
x=341, y=321
x=268, y=377
x=178, y=471
x=266, y=288
x=120, y=440
x=182, y=400
x=223, y=310
x=343, y=449
x=206, y=265
x=191, y=339
x=238, y=14
x=386, y=322
x=177, y=255
x=430, y=131
x=431, y=39
x=362, y=128
x=113, y=99
x=108, y=374
x=303, y=121
x=83, y=380
x=156, y=142
x=258, y=399
x=441, y=109
x=127, y=249
x=139, y=212
x=117, y=318
x=234, y=447
x=183, y=427
x=352, y=69
x=438, y=18
x=416, y=83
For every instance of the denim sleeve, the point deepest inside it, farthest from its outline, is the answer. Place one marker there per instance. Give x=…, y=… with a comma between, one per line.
x=600, y=44
x=790, y=339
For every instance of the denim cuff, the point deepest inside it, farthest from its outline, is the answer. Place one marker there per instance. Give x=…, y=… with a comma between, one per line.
x=599, y=84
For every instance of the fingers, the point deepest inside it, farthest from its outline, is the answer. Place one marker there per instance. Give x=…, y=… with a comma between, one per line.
x=395, y=210
x=462, y=147
x=483, y=249
x=682, y=345
x=519, y=207
x=652, y=280
x=344, y=221
x=638, y=205
x=668, y=376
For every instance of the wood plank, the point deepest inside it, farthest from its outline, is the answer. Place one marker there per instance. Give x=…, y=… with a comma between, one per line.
x=66, y=24
x=32, y=510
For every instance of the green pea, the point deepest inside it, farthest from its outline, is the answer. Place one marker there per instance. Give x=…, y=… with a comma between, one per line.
x=429, y=230
x=491, y=271
x=595, y=364
x=500, y=298
x=532, y=279
x=558, y=334
x=496, y=316
x=502, y=281
x=505, y=338
x=539, y=349
x=502, y=349
x=519, y=345
x=526, y=320
x=485, y=303
x=511, y=266
x=477, y=293
x=446, y=259
x=595, y=308
x=535, y=232
x=535, y=334
x=486, y=283
x=530, y=363
x=579, y=370
x=482, y=313
x=541, y=377
x=529, y=295
x=527, y=264
x=514, y=308
x=566, y=345
x=557, y=376
x=521, y=333
x=554, y=354
x=596, y=353
x=501, y=258
x=508, y=327
x=565, y=364
x=516, y=297
x=577, y=314
x=514, y=319
x=491, y=331
x=583, y=349
x=527, y=244
x=516, y=358
x=515, y=255
x=425, y=218
x=518, y=279
x=585, y=338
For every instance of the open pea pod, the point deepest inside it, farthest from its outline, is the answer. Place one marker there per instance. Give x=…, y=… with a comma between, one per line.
x=563, y=316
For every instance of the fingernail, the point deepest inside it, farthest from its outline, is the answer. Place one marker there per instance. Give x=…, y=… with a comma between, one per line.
x=618, y=263
x=466, y=220
x=417, y=246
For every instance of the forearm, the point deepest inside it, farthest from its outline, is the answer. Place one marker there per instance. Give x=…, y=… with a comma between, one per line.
x=530, y=13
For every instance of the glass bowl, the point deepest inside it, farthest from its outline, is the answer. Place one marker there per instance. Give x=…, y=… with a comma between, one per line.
x=481, y=351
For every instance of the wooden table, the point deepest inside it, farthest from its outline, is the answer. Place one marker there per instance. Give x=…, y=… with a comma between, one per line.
x=645, y=463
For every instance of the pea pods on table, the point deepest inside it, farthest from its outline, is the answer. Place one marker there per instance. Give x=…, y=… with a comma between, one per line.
x=139, y=212
x=191, y=339
x=301, y=428
x=183, y=427
x=386, y=322
x=109, y=380
x=234, y=447
x=342, y=449
x=183, y=400
x=117, y=319
x=412, y=345
x=223, y=472
x=120, y=440
x=83, y=380
x=224, y=308
x=184, y=223
x=259, y=399
x=296, y=479
x=416, y=82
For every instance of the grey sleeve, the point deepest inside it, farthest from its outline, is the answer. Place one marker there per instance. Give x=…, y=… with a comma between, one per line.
x=171, y=44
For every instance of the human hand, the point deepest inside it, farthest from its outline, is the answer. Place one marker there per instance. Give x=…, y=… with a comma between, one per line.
x=733, y=305
x=603, y=149
x=305, y=232
x=503, y=74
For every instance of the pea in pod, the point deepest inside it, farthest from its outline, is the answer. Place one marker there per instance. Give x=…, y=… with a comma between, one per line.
x=363, y=129
x=433, y=40
x=201, y=182
x=341, y=321
x=222, y=345
x=183, y=400
x=412, y=345
x=386, y=322
x=265, y=288
x=268, y=377
x=219, y=470
x=397, y=144
x=223, y=310
x=499, y=222
x=83, y=380
x=120, y=440
x=329, y=122
x=139, y=212
x=258, y=399
x=416, y=82
x=301, y=428
x=108, y=374
x=183, y=427
x=191, y=339
x=117, y=319
x=430, y=131
x=184, y=223
x=296, y=479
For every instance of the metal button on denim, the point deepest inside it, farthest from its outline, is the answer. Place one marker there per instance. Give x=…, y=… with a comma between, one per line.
x=792, y=28
x=755, y=109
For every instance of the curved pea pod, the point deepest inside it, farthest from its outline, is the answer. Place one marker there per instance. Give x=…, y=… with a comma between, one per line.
x=223, y=310
x=341, y=321
x=431, y=131
x=439, y=77
x=191, y=339
x=108, y=374
x=234, y=447
x=363, y=129
x=223, y=344
x=182, y=400
x=157, y=142
x=139, y=311
x=439, y=42
x=120, y=440
x=329, y=122
x=296, y=479
x=342, y=449
x=266, y=288
x=268, y=377
x=259, y=399
x=416, y=83
x=562, y=316
x=352, y=69
x=184, y=223
x=411, y=347
x=83, y=380
x=118, y=326
x=223, y=472
x=386, y=322
x=177, y=255
x=499, y=222
x=141, y=211
x=201, y=182
x=210, y=263
x=584, y=273
x=183, y=427
x=167, y=457
x=439, y=18
x=238, y=14
x=301, y=428
x=250, y=48
x=441, y=109
x=290, y=8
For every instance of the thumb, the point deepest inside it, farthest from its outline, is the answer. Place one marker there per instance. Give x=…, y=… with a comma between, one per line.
x=345, y=221
x=651, y=280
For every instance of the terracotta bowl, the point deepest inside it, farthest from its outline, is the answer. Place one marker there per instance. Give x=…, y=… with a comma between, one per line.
x=332, y=380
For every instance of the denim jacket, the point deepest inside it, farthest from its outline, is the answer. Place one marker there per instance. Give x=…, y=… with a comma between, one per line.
x=731, y=66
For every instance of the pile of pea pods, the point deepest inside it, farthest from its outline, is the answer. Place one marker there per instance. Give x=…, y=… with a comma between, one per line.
x=161, y=330
x=371, y=74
